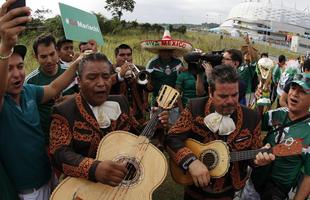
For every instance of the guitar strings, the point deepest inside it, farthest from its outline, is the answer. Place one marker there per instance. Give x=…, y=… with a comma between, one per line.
x=115, y=191
x=237, y=156
x=123, y=191
x=147, y=132
x=142, y=148
x=246, y=155
x=119, y=189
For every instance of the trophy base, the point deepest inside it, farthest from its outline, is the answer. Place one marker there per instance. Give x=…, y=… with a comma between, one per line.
x=263, y=102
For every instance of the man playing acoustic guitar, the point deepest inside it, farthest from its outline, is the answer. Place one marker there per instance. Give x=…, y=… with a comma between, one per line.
x=219, y=117
x=80, y=123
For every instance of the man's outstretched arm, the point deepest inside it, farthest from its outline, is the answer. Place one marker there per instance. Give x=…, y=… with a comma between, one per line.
x=9, y=31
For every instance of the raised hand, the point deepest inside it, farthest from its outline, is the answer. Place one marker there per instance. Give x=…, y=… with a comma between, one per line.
x=93, y=45
x=10, y=22
x=208, y=68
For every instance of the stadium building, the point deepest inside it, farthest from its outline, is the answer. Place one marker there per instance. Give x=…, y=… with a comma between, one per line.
x=266, y=21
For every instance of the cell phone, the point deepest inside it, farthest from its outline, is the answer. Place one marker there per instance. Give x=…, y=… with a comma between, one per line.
x=18, y=4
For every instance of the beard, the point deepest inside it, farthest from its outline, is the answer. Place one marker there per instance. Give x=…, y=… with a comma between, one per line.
x=228, y=109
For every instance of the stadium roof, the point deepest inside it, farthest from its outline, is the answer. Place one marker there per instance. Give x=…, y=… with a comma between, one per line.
x=266, y=11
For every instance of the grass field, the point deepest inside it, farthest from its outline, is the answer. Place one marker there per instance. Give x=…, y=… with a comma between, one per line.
x=204, y=41
x=168, y=190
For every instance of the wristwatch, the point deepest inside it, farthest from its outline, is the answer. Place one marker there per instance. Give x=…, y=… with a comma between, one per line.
x=186, y=164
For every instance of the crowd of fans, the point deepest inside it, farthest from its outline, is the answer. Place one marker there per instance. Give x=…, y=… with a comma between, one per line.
x=52, y=120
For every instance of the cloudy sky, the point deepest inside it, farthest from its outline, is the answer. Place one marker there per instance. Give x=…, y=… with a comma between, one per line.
x=165, y=11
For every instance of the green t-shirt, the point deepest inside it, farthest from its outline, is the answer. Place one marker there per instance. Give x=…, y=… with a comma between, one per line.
x=7, y=190
x=163, y=73
x=186, y=82
x=37, y=77
x=22, y=143
x=285, y=170
x=276, y=74
x=247, y=73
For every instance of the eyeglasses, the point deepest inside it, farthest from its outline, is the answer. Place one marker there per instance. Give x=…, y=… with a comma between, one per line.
x=226, y=58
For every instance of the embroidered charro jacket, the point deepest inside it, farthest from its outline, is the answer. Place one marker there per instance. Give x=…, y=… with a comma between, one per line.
x=245, y=137
x=75, y=136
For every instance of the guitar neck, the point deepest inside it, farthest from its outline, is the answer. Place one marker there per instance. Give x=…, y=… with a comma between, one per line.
x=149, y=129
x=246, y=155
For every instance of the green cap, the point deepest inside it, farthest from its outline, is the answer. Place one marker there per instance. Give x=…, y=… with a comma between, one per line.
x=304, y=81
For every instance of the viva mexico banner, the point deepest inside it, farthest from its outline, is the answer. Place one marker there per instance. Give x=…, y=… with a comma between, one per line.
x=80, y=25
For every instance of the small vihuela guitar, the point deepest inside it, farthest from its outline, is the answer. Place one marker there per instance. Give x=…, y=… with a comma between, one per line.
x=217, y=157
x=147, y=166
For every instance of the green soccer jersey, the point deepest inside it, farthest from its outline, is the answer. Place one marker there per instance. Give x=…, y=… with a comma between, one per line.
x=285, y=170
x=186, y=82
x=37, y=77
x=276, y=74
x=247, y=73
x=163, y=73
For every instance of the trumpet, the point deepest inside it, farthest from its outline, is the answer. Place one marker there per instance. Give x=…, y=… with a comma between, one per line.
x=141, y=76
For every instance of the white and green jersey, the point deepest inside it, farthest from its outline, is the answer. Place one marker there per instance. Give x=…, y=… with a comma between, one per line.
x=163, y=72
x=285, y=170
x=247, y=73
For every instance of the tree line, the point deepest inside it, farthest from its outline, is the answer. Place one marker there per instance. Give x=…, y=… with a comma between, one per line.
x=41, y=24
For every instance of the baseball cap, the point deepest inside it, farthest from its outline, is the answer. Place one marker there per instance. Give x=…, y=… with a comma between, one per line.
x=303, y=80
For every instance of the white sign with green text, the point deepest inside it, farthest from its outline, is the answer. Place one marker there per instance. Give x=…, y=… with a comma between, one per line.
x=80, y=25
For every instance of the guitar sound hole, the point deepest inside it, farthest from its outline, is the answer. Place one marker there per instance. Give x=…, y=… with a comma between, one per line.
x=209, y=158
x=134, y=173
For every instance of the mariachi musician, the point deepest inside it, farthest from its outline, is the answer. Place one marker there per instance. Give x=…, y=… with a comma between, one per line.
x=217, y=117
x=164, y=67
x=129, y=81
x=82, y=121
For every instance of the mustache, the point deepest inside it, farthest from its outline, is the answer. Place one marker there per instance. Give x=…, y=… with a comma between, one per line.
x=228, y=106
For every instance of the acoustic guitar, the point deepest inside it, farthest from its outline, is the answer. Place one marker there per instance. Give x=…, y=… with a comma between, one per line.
x=216, y=156
x=147, y=166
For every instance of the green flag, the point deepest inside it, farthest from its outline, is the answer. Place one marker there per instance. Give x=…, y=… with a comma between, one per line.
x=80, y=25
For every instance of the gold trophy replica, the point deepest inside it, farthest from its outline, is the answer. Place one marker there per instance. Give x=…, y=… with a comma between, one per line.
x=265, y=66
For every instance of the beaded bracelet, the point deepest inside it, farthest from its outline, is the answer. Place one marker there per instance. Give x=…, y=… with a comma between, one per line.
x=6, y=57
